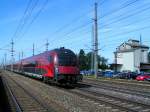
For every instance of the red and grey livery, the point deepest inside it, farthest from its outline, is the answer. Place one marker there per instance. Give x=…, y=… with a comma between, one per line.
x=58, y=65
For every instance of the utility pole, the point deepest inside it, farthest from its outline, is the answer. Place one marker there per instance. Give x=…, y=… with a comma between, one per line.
x=116, y=61
x=5, y=61
x=95, y=42
x=21, y=67
x=33, y=50
x=22, y=55
x=12, y=54
x=141, y=58
x=19, y=56
x=2, y=65
x=92, y=53
x=140, y=39
x=47, y=44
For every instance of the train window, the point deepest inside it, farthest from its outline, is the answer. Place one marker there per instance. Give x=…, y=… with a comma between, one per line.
x=67, y=59
x=32, y=64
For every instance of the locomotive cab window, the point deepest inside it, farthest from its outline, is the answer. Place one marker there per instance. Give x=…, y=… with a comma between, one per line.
x=67, y=59
x=50, y=59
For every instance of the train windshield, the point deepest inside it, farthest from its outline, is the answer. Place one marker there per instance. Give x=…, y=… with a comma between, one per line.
x=67, y=59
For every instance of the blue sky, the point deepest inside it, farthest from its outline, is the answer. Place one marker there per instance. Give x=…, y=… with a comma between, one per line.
x=62, y=21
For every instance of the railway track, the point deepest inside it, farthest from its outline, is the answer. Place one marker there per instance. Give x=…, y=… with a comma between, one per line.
x=23, y=100
x=88, y=98
x=15, y=104
x=120, y=88
x=117, y=103
x=116, y=95
x=64, y=100
x=122, y=82
x=122, y=96
x=124, y=101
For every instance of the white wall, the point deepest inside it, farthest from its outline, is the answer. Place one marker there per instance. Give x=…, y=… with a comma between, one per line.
x=145, y=56
x=119, y=58
x=141, y=56
x=137, y=59
x=128, y=61
x=131, y=60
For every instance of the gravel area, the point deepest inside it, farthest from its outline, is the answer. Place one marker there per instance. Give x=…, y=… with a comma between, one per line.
x=120, y=88
x=129, y=97
x=122, y=85
x=58, y=99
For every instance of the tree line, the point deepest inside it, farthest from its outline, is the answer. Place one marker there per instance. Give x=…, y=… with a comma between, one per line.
x=85, y=61
x=149, y=57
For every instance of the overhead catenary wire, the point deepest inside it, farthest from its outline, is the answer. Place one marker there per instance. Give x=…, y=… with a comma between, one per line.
x=127, y=32
x=29, y=2
x=83, y=25
x=29, y=13
x=20, y=22
x=75, y=20
x=120, y=19
x=117, y=34
x=124, y=5
x=31, y=22
x=34, y=18
x=139, y=28
x=23, y=20
x=62, y=28
x=132, y=23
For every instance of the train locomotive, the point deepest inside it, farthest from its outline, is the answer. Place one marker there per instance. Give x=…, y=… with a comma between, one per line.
x=58, y=65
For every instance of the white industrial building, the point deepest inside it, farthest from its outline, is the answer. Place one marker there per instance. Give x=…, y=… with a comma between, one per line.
x=131, y=56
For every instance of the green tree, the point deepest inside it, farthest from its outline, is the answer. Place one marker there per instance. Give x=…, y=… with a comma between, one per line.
x=89, y=60
x=82, y=60
x=149, y=57
x=102, y=63
x=85, y=61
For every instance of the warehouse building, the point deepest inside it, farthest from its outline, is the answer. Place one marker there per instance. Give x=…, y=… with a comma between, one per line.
x=131, y=56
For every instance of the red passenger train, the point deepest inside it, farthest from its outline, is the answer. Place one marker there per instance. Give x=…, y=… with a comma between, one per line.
x=58, y=65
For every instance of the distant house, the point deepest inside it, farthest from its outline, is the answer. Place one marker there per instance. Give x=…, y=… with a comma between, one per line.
x=131, y=56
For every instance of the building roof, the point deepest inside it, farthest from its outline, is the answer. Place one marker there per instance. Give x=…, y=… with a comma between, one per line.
x=114, y=64
x=134, y=44
x=138, y=45
x=133, y=40
x=126, y=50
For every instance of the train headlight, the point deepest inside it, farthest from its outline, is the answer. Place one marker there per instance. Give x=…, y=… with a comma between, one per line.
x=56, y=70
